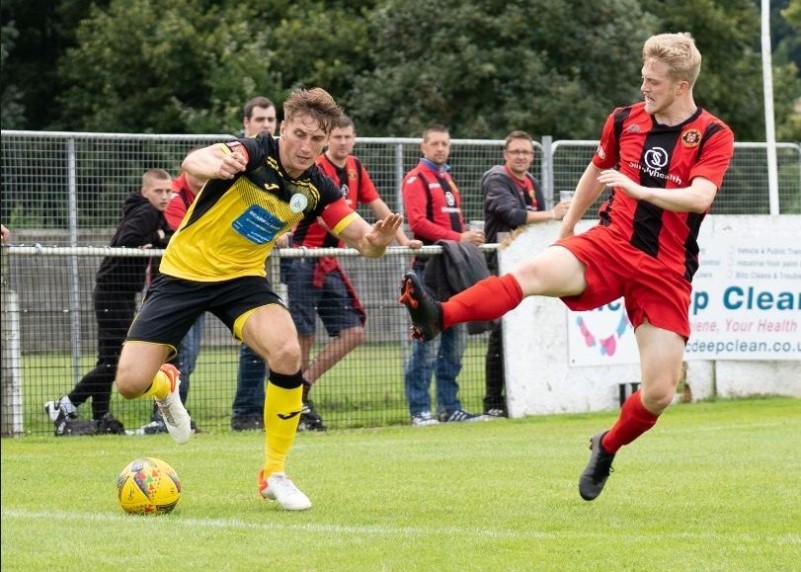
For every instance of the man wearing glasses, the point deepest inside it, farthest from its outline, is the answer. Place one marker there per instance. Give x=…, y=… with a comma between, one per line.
x=512, y=198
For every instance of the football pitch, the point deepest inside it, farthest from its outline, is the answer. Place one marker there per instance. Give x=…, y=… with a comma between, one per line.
x=714, y=486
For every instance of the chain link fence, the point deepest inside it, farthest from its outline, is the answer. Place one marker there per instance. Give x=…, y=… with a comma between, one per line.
x=62, y=195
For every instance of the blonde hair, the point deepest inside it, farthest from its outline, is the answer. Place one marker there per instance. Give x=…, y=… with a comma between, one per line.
x=316, y=103
x=678, y=51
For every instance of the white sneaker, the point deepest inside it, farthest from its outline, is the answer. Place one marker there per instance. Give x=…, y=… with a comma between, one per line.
x=423, y=419
x=172, y=410
x=280, y=488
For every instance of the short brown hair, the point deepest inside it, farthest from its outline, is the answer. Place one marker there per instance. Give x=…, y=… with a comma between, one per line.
x=435, y=128
x=517, y=134
x=151, y=175
x=258, y=101
x=315, y=102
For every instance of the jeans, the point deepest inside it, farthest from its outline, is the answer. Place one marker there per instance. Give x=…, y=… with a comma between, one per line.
x=443, y=357
x=249, y=397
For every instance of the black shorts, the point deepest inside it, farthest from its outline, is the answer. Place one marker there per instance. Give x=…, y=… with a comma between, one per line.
x=172, y=305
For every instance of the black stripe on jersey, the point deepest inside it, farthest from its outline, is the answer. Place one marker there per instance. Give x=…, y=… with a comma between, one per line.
x=654, y=169
x=620, y=118
x=694, y=220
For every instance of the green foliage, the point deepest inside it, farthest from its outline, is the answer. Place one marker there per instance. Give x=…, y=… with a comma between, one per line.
x=487, y=66
x=712, y=487
x=185, y=67
x=481, y=66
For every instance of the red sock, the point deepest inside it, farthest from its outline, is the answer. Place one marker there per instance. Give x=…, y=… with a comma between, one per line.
x=634, y=420
x=485, y=300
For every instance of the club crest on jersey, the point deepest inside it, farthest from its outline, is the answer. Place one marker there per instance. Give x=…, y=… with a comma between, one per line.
x=691, y=138
x=298, y=203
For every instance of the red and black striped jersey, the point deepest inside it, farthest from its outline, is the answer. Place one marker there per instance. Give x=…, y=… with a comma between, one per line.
x=660, y=156
x=356, y=187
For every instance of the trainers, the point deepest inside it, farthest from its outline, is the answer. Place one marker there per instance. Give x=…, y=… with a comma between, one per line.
x=426, y=313
x=60, y=412
x=280, y=488
x=310, y=420
x=78, y=427
x=423, y=419
x=109, y=425
x=496, y=412
x=153, y=428
x=172, y=410
x=459, y=416
x=594, y=477
x=247, y=423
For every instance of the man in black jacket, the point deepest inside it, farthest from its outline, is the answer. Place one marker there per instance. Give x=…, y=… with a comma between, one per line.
x=119, y=279
x=512, y=198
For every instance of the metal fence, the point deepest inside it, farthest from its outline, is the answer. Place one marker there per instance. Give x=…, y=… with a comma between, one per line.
x=67, y=186
x=66, y=189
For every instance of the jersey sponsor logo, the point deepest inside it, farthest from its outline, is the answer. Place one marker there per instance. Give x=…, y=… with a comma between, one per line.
x=691, y=138
x=258, y=225
x=656, y=158
x=450, y=199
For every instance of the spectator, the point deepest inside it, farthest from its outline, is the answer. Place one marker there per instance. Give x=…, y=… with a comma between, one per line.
x=319, y=286
x=665, y=159
x=259, y=116
x=4, y=233
x=433, y=209
x=512, y=198
x=247, y=409
x=119, y=279
x=258, y=189
x=185, y=188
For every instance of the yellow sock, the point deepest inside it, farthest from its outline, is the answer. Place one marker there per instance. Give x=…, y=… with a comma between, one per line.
x=281, y=416
x=160, y=386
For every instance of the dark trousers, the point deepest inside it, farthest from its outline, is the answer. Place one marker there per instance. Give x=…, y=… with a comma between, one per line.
x=114, y=312
x=494, y=372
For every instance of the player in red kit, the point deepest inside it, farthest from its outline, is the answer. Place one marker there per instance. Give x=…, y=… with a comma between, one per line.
x=664, y=159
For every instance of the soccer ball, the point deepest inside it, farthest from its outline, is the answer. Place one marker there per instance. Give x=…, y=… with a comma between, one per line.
x=148, y=486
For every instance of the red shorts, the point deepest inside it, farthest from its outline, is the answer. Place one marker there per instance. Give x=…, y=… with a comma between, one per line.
x=614, y=268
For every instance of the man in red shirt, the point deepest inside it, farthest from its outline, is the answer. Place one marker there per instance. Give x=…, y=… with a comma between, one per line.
x=665, y=159
x=319, y=286
x=433, y=209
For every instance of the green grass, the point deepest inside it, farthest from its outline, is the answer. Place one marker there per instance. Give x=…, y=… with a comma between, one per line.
x=714, y=486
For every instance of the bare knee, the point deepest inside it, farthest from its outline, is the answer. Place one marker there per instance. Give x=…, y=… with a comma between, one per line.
x=658, y=396
x=354, y=336
x=130, y=381
x=284, y=357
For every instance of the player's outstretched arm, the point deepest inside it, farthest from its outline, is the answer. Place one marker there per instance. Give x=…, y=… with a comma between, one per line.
x=213, y=162
x=373, y=240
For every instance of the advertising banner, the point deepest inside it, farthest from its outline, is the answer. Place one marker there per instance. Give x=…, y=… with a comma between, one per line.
x=745, y=305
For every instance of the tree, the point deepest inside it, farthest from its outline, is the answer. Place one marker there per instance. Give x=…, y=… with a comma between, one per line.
x=484, y=67
x=150, y=66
